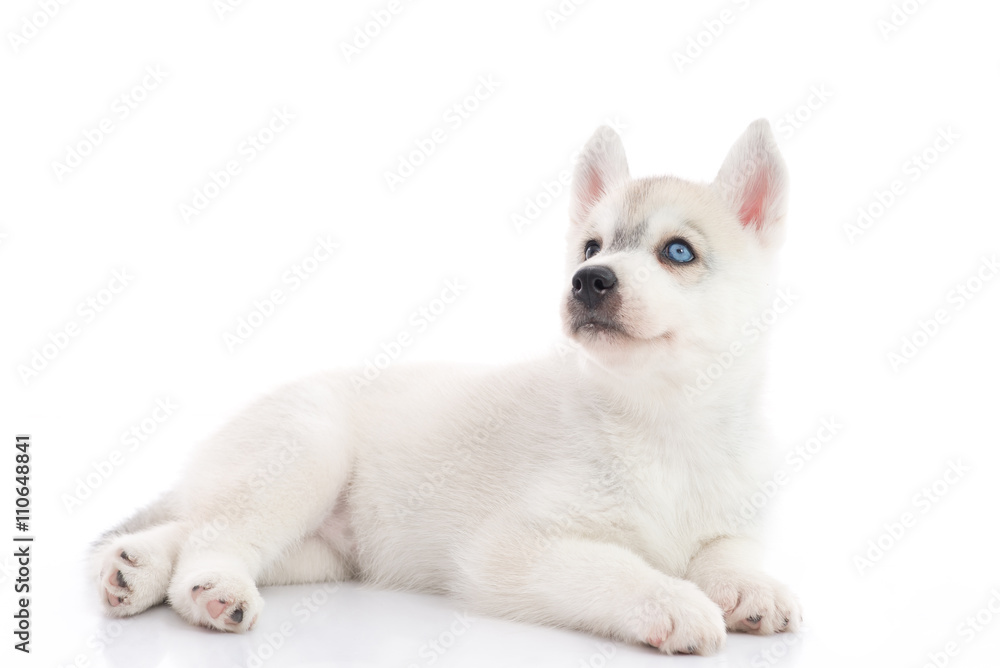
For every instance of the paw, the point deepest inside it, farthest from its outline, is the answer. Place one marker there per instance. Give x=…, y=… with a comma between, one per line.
x=217, y=601
x=131, y=578
x=754, y=603
x=682, y=620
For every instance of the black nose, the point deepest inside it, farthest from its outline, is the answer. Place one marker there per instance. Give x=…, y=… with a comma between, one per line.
x=591, y=284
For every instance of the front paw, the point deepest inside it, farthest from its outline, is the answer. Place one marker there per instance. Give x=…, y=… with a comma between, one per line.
x=754, y=602
x=682, y=620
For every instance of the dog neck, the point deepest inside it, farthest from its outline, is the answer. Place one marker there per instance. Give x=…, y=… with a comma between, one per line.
x=694, y=384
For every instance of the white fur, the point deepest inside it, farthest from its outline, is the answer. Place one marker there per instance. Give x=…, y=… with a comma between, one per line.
x=587, y=491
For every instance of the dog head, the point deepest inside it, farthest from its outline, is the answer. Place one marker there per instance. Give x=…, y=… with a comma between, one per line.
x=661, y=268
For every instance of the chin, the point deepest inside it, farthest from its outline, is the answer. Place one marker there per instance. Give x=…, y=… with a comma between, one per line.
x=594, y=331
x=609, y=341
x=610, y=346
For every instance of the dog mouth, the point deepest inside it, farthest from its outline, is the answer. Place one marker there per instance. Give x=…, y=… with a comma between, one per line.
x=595, y=325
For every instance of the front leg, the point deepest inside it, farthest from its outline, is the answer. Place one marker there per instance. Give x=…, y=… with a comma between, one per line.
x=589, y=586
x=752, y=601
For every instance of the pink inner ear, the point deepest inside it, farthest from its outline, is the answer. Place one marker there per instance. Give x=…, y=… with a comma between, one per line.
x=754, y=199
x=593, y=188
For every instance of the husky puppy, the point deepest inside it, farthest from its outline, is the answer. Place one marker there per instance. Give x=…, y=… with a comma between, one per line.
x=599, y=490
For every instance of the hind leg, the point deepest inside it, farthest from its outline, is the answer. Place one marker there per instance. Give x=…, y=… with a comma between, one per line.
x=216, y=585
x=216, y=576
x=233, y=604
x=258, y=490
x=133, y=570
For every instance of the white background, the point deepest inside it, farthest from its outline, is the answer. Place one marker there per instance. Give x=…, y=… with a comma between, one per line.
x=885, y=98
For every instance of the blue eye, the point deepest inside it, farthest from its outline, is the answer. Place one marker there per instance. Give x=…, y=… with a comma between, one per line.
x=679, y=251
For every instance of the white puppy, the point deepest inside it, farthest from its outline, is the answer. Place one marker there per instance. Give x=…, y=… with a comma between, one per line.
x=597, y=491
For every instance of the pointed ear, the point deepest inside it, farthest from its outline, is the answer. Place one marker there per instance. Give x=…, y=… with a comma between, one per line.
x=600, y=168
x=753, y=181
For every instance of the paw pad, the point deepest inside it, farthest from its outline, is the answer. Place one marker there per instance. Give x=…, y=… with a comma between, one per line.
x=224, y=611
